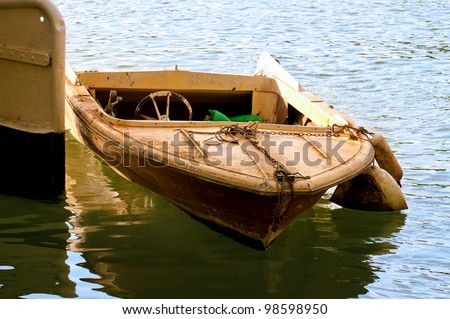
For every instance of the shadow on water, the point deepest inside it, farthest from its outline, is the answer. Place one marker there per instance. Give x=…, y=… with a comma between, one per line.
x=33, y=241
x=112, y=238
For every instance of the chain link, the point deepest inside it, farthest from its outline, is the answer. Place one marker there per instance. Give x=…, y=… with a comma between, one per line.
x=329, y=134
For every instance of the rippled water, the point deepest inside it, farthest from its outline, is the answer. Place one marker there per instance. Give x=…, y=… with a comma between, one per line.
x=385, y=64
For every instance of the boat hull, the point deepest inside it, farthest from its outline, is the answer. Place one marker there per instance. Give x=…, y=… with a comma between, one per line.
x=252, y=218
x=250, y=183
x=255, y=219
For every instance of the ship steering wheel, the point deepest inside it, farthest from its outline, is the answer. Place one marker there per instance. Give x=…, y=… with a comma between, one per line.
x=168, y=94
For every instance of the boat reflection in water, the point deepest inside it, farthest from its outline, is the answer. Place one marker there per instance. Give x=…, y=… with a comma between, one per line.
x=140, y=246
x=90, y=195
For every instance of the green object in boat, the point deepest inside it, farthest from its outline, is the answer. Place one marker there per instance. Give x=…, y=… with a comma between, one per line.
x=220, y=117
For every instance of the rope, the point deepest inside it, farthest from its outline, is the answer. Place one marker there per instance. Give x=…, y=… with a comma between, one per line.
x=245, y=131
x=336, y=128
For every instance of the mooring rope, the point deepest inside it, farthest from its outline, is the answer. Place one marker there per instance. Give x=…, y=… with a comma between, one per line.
x=336, y=128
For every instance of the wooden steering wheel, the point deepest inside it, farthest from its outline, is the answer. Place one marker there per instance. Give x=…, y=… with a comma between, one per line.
x=168, y=94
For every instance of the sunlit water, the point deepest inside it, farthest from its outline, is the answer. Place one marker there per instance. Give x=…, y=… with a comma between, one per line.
x=385, y=64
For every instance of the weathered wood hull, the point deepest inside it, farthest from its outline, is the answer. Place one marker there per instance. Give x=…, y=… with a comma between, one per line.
x=253, y=203
x=248, y=217
x=253, y=218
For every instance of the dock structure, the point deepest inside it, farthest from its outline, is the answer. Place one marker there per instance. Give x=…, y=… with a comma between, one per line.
x=32, y=131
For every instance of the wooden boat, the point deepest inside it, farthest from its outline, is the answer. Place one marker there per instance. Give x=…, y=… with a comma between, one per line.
x=171, y=132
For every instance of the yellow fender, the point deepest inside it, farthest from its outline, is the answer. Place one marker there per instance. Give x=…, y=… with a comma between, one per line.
x=385, y=157
x=373, y=190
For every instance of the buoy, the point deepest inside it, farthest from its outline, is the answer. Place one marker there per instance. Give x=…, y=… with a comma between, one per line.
x=373, y=190
x=385, y=157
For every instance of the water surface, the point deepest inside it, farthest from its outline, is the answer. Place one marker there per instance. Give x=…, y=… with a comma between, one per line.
x=385, y=64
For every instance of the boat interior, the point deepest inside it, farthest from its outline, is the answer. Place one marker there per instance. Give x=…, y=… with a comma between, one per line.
x=143, y=96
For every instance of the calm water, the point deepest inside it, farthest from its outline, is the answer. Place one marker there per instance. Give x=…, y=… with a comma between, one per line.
x=386, y=64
